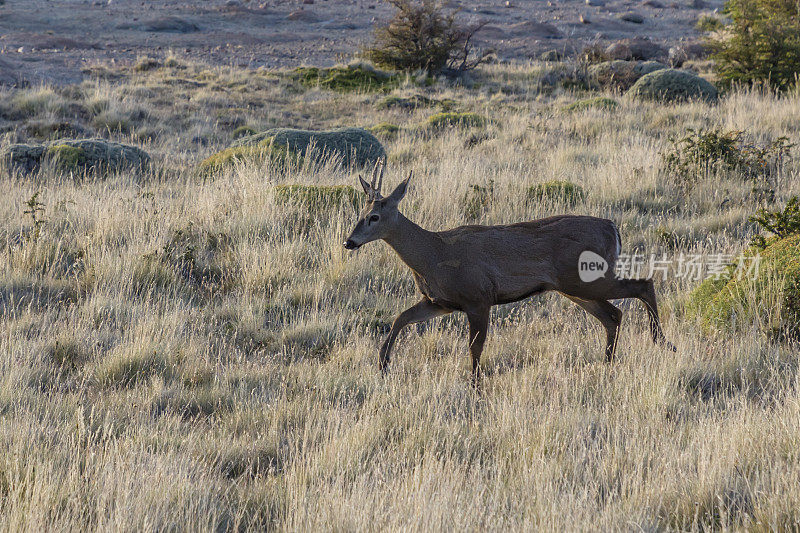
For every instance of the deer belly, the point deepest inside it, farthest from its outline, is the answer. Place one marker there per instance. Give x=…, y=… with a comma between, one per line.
x=507, y=298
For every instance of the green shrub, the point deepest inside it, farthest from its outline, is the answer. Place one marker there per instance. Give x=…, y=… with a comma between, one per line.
x=598, y=102
x=477, y=200
x=318, y=197
x=450, y=119
x=670, y=85
x=421, y=36
x=780, y=224
x=243, y=131
x=562, y=191
x=771, y=299
x=700, y=152
x=385, y=130
x=351, y=78
x=706, y=22
x=762, y=42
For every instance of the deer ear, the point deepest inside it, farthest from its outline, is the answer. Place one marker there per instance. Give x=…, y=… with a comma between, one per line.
x=366, y=186
x=399, y=192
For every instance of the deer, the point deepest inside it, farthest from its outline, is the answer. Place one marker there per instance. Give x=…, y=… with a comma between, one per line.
x=472, y=268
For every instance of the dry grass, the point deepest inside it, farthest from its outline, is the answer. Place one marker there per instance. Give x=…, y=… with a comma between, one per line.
x=137, y=394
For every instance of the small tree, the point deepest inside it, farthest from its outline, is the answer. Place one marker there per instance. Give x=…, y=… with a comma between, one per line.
x=761, y=43
x=421, y=35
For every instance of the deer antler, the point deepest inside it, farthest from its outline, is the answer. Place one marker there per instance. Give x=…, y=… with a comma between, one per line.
x=380, y=177
x=377, y=179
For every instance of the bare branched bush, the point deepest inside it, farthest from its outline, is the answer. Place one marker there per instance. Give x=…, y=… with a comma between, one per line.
x=422, y=36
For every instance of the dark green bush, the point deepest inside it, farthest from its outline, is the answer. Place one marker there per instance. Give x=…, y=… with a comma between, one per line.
x=762, y=42
x=422, y=36
x=706, y=151
x=780, y=224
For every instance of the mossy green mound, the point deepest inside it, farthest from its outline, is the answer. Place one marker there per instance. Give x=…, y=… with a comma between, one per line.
x=264, y=152
x=351, y=146
x=317, y=197
x=458, y=120
x=768, y=297
x=563, y=191
x=670, y=85
x=621, y=74
x=385, y=130
x=598, y=102
x=81, y=155
x=65, y=157
x=345, y=79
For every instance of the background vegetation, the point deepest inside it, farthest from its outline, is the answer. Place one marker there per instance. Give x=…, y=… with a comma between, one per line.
x=187, y=349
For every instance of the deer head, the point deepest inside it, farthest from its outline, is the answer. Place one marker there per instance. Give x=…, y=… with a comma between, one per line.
x=380, y=215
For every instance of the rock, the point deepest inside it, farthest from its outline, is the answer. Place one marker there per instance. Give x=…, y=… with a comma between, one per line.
x=169, y=24
x=303, y=15
x=683, y=52
x=630, y=16
x=673, y=85
x=618, y=51
x=595, y=3
x=620, y=74
x=75, y=155
x=655, y=4
x=534, y=29
x=644, y=49
x=352, y=146
x=22, y=157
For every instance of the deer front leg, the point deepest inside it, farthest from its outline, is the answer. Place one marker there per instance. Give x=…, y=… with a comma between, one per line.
x=478, y=326
x=420, y=311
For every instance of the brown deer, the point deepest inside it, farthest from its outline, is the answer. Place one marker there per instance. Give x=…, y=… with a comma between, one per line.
x=472, y=268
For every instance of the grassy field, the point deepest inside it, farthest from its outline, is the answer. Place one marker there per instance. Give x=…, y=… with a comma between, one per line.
x=180, y=351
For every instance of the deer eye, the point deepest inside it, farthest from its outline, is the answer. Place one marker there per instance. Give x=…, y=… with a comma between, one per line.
x=374, y=218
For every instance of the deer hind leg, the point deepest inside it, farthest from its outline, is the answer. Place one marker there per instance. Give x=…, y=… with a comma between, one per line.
x=478, y=327
x=420, y=311
x=643, y=290
x=609, y=316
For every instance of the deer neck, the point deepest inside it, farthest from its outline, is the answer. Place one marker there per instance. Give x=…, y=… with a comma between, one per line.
x=417, y=247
